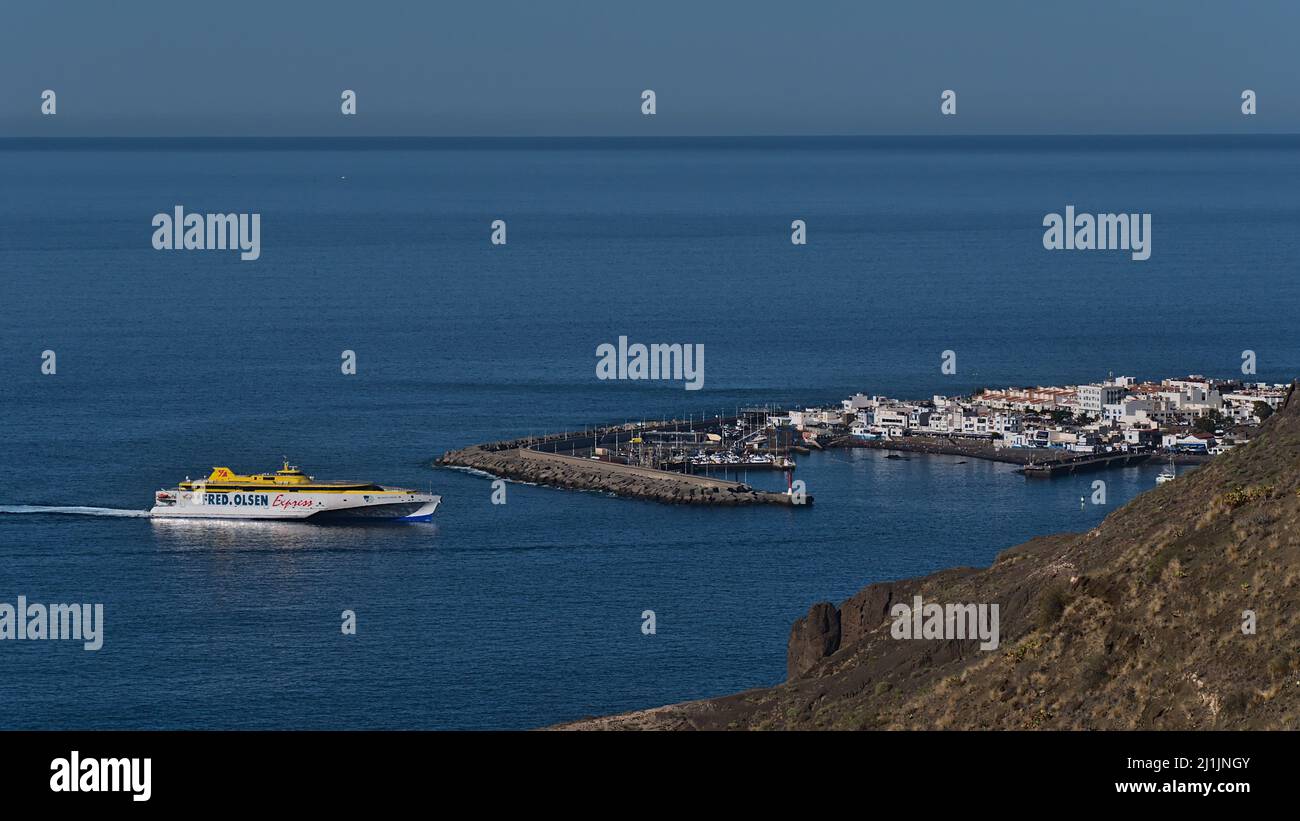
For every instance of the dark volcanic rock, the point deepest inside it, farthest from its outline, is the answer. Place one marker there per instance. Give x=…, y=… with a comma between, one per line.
x=812, y=638
x=866, y=609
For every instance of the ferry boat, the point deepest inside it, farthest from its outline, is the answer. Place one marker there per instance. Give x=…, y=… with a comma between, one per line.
x=290, y=494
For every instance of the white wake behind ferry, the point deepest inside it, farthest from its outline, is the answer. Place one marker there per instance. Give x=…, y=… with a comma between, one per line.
x=290, y=494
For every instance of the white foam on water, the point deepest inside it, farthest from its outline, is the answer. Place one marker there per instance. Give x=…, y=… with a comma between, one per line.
x=74, y=511
x=472, y=471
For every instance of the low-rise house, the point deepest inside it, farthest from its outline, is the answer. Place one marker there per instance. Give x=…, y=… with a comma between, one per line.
x=1141, y=437
x=1035, y=438
x=1192, y=441
x=974, y=423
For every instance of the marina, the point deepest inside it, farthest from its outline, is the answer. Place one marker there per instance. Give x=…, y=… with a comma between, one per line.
x=670, y=461
x=1048, y=432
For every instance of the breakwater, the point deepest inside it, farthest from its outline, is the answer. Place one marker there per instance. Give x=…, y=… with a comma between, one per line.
x=1083, y=464
x=539, y=460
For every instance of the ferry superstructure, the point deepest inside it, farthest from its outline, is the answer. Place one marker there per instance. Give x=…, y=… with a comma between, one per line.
x=290, y=494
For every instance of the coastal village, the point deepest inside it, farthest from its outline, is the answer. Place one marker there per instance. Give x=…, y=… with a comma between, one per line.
x=1046, y=431
x=1194, y=415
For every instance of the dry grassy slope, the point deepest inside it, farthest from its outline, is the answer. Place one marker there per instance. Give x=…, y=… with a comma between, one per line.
x=1136, y=624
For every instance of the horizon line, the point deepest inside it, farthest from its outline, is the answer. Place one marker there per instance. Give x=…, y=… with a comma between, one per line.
x=71, y=141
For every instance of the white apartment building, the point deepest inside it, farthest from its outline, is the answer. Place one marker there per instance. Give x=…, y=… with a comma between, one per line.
x=894, y=419
x=941, y=422
x=859, y=402
x=1194, y=400
x=1094, y=398
x=1139, y=412
x=1240, y=405
x=1006, y=423
x=976, y=424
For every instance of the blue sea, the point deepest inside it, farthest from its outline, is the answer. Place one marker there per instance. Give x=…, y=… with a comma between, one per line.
x=529, y=613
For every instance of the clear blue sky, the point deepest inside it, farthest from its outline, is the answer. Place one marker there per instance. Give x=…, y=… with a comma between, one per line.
x=508, y=67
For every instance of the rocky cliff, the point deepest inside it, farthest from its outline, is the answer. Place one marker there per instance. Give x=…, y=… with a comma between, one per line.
x=1180, y=610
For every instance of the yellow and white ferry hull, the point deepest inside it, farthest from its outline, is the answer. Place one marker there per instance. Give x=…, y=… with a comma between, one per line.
x=281, y=505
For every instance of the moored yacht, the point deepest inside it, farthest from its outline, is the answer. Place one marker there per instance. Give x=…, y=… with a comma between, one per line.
x=1168, y=474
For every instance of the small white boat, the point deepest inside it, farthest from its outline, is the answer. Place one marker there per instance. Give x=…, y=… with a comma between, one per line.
x=1168, y=474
